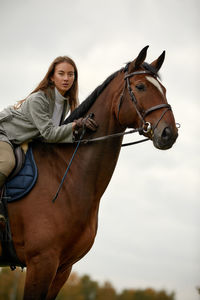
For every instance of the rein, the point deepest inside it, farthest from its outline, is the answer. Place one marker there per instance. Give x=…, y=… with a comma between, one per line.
x=96, y=140
x=62, y=181
x=106, y=137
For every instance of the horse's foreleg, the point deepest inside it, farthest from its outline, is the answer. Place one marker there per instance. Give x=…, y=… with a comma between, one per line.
x=58, y=282
x=41, y=271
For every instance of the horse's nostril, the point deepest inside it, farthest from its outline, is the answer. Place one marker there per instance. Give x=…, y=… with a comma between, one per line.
x=166, y=134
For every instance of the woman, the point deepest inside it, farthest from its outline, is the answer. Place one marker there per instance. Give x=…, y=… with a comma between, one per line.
x=41, y=114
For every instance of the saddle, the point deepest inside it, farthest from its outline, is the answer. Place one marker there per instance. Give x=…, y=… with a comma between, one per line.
x=23, y=177
x=19, y=183
x=20, y=159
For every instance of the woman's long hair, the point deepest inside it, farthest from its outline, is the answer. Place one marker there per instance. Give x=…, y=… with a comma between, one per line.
x=46, y=82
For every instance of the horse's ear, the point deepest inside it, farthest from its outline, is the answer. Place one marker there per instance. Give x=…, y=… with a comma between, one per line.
x=157, y=64
x=134, y=65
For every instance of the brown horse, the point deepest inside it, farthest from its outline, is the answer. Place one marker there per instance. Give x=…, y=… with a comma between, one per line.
x=49, y=237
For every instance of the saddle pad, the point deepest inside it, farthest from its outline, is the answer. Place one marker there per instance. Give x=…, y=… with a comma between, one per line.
x=24, y=181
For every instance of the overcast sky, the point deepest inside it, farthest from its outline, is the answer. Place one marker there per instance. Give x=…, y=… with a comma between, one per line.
x=149, y=220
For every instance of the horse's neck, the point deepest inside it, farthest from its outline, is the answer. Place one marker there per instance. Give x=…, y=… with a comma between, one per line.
x=99, y=158
x=103, y=109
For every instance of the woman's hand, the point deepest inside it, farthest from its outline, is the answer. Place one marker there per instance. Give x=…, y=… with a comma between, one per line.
x=84, y=122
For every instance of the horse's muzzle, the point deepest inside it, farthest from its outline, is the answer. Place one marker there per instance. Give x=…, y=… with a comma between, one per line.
x=164, y=138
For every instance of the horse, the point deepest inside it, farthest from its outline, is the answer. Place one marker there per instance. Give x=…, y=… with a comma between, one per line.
x=51, y=236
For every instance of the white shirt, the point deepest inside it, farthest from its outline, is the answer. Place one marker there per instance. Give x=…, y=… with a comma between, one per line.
x=58, y=108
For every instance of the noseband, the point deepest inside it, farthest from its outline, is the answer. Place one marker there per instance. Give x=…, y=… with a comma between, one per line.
x=146, y=126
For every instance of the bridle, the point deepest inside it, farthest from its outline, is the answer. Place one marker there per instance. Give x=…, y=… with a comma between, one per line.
x=146, y=127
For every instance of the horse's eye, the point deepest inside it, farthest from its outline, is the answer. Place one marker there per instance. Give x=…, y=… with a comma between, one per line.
x=140, y=87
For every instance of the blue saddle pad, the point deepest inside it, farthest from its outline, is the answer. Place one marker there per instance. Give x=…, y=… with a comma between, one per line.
x=24, y=181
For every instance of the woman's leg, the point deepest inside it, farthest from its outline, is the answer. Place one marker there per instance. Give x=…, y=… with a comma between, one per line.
x=7, y=161
x=7, y=164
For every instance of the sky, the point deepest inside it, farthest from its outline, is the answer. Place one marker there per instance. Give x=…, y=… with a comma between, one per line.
x=148, y=233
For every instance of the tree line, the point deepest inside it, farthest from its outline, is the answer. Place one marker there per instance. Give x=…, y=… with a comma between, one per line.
x=78, y=288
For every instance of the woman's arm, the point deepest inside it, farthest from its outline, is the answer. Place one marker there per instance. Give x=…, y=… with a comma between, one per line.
x=38, y=112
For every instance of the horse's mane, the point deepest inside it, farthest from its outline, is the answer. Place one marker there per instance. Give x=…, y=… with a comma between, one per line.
x=83, y=108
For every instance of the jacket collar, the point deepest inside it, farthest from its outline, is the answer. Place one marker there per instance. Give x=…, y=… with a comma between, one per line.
x=50, y=93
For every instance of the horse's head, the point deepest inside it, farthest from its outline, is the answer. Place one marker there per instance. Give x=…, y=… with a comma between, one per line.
x=143, y=102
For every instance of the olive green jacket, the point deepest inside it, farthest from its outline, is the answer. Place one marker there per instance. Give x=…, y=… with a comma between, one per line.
x=33, y=120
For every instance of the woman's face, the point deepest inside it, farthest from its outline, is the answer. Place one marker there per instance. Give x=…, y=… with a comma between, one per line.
x=63, y=77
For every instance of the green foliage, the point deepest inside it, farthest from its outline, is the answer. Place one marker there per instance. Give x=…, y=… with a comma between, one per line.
x=77, y=288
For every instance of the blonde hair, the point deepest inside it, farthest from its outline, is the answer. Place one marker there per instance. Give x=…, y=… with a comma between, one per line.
x=47, y=82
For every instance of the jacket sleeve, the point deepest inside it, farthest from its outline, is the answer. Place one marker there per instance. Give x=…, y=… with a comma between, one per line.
x=38, y=112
